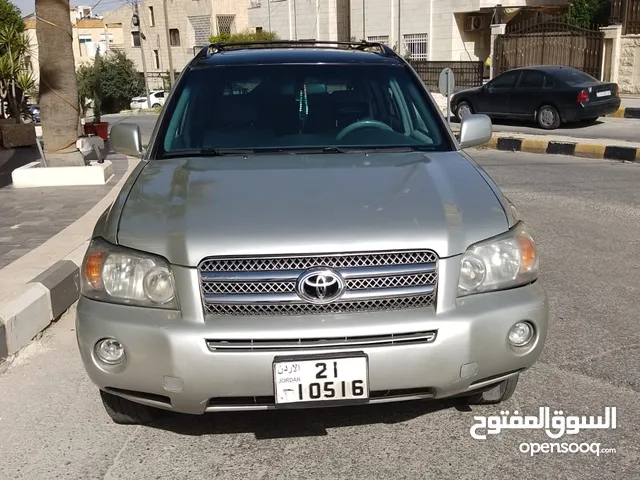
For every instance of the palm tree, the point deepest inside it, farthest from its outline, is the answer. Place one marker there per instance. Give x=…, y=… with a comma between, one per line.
x=59, y=106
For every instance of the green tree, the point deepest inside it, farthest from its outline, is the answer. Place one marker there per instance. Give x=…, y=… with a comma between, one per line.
x=10, y=15
x=96, y=87
x=120, y=82
x=589, y=12
x=84, y=78
x=244, y=36
x=15, y=75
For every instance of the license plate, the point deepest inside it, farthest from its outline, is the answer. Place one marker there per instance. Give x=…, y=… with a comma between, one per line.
x=321, y=379
x=604, y=93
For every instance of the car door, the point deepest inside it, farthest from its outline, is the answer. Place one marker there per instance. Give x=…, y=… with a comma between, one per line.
x=528, y=94
x=495, y=97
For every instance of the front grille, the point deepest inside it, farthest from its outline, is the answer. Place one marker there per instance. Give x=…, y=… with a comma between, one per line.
x=267, y=285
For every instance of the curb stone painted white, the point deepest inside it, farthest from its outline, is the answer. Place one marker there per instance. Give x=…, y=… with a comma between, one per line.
x=24, y=316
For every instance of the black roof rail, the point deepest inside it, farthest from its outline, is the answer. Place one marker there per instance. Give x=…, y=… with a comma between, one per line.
x=214, y=48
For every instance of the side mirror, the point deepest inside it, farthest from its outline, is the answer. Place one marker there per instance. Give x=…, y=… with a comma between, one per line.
x=126, y=139
x=475, y=130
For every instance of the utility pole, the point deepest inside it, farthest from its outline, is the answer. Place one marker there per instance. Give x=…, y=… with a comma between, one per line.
x=166, y=31
x=135, y=22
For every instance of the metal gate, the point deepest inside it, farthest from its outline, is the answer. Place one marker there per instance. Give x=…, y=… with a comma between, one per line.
x=550, y=43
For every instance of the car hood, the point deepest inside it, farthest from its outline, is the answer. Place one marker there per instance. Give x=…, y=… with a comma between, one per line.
x=188, y=209
x=466, y=91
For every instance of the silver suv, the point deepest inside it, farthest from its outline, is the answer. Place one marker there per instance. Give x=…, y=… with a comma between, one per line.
x=304, y=230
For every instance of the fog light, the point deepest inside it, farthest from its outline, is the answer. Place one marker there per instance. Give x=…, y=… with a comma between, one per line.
x=110, y=351
x=521, y=334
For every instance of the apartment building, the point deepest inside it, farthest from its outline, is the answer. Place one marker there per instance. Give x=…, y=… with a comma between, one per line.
x=90, y=32
x=190, y=24
x=445, y=30
x=449, y=30
x=302, y=19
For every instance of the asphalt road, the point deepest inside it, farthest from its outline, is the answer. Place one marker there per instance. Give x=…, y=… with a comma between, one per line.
x=586, y=215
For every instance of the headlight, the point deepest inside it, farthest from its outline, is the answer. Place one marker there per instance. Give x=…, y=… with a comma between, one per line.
x=119, y=275
x=505, y=261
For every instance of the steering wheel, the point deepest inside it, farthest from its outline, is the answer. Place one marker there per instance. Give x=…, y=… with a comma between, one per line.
x=362, y=124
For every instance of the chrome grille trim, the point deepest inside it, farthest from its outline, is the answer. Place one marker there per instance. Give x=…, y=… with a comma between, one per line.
x=267, y=285
x=350, y=296
x=368, y=341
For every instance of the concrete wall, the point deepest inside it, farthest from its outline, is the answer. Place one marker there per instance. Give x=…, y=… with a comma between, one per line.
x=629, y=64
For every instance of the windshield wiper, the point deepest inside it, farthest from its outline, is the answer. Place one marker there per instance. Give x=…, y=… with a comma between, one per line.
x=208, y=152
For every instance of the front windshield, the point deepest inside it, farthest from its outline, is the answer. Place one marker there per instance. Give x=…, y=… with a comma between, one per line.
x=289, y=107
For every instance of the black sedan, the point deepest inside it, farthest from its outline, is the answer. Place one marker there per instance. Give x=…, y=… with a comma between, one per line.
x=549, y=95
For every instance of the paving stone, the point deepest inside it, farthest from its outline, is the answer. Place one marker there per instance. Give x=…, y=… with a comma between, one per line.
x=30, y=217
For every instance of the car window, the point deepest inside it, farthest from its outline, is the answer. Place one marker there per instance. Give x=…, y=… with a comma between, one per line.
x=549, y=81
x=160, y=94
x=531, y=79
x=573, y=77
x=300, y=106
x=506, y=80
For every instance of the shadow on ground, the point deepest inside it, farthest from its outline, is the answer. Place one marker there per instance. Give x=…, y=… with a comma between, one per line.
x=274, y=424
x=15, y=158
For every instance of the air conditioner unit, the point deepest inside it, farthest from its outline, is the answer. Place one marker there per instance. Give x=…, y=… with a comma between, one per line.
x=475, y=22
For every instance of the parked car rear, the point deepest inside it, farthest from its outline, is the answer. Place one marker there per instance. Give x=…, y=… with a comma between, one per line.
x=549, y=95
x=157, y=99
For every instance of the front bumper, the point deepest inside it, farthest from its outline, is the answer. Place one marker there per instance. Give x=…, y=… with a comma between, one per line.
x=169, y=364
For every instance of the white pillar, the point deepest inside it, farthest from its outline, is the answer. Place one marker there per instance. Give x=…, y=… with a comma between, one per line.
x=333, y=21
x=614, y=33
x=496, y=30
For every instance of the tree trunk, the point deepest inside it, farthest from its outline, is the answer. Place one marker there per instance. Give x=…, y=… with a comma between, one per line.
x=59, y=106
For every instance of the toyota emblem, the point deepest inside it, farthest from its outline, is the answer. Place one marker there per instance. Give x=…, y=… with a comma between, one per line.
x=320, y=286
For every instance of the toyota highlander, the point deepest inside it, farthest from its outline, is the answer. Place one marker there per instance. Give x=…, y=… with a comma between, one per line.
x=303, y=229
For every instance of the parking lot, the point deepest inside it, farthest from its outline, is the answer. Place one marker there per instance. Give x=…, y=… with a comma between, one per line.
x=586, y=215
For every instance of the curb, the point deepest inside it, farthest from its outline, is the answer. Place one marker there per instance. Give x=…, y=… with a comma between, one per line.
x=44, y=299
x=626, y=112
x=582, y=150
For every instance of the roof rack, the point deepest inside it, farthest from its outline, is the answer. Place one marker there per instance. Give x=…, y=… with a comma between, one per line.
x=214, y=48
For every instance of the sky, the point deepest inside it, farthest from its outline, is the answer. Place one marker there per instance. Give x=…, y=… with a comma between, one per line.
x=28, y=6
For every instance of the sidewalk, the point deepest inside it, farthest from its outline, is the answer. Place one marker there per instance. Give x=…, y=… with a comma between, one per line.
x=30, y=217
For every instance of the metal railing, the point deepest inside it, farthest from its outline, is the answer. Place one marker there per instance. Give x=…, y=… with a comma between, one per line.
x=466, y=74
x=627, y=14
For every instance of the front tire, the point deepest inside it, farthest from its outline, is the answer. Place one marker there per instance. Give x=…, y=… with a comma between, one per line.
x=548, y=118
x=126, y=412
x=498, y=394
x=156, y=105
